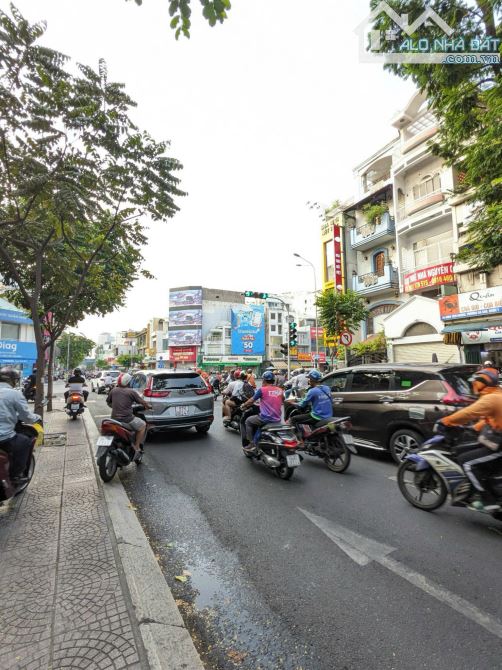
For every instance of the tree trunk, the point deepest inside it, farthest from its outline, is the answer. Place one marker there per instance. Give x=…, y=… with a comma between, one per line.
x=39, y=391
x=50, y=382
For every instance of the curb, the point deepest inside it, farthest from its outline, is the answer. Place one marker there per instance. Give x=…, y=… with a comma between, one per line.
x=167, y=642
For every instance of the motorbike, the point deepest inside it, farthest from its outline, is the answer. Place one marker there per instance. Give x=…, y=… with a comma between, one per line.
x=75, y=404
x=428, y=474
x=8, y=487
x=235, y=420
x=114, y=449
x=29, y=390
x=276, y=446
x=329, y=440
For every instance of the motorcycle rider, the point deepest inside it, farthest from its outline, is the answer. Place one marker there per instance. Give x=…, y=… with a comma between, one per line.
x=319, y=398
x=121, y=399
x=14, y=408
x=232, y=389
x=477, y=463
x=76, y=384
x=240, y=391
x=108, y=380
x=271, y=398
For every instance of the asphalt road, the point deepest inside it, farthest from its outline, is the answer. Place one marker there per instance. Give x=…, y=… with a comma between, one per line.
x=271, y=586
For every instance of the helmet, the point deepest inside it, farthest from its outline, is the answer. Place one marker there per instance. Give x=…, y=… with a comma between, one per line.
x=486, y=377
x=9, y=376
x=268, y=376
x=315, y=375
x=488, y=364
x=77, y=371
x=301, y=371
x=125, y=379
x=237, y=374
x=243, y=376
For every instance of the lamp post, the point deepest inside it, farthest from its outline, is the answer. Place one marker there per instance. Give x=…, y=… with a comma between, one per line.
x=315, y=294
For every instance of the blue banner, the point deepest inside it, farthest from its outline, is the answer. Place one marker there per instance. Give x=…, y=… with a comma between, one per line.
x=13, y=316
x=15, y=352
x=248, y=330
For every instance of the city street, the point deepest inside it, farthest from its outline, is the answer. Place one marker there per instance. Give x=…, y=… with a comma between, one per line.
x=276, y=577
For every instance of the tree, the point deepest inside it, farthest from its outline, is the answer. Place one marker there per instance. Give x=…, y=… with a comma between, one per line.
x=214, y=11
x=340, y=312
x=101, y=364
x=467, y=101
x=129, y=360
x=76, y=175
x=78, y=347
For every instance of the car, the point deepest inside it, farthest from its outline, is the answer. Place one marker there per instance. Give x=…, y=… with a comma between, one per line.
x=98, y=383
x=179, y=399
x=393, y=407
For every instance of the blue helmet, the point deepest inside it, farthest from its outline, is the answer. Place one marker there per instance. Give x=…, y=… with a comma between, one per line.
x=268, y=376
x=315, y=375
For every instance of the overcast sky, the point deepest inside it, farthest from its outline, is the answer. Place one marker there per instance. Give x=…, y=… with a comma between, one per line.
x=266, y=112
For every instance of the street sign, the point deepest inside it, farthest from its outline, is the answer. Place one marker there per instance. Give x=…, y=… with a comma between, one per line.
x=346, y=339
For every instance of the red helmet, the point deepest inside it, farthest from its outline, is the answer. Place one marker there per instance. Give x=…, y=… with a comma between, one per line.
x=237, y=374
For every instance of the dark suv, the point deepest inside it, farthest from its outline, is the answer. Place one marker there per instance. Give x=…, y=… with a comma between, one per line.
x=393, y=406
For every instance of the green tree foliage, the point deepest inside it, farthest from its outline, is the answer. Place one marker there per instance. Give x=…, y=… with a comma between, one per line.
x=101, y=364
x=214, y=11
x=340, y=312
x=467, y=101
x=79, y=348
x=372, y=345
x=129, y=360
x=76, y=176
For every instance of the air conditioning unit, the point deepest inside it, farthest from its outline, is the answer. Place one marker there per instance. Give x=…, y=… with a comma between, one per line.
x=482, y=279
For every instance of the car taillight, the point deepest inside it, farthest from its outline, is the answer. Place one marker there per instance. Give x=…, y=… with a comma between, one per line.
x=453, y=398
x=149, y=393
x=205, y=391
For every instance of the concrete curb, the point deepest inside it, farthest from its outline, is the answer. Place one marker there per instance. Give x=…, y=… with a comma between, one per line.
x=167, y=642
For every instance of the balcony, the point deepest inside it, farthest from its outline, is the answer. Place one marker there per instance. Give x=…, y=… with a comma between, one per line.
x=367, y=235
x=372, y=283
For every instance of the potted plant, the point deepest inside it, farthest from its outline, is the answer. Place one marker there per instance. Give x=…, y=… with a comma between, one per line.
x=374, y=212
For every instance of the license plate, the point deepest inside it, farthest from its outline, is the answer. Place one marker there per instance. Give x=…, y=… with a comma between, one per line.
x=348, y=439
x=182, y=410
x=104, y=441
x=75, y=405
x=293, y=461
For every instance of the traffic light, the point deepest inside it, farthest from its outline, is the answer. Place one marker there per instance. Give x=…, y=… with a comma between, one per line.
x=255, y=294
x=293, y=334
x=284, y=349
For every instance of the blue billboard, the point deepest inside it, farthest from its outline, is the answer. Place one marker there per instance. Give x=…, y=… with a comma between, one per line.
x=13, y=352
x=248, y=330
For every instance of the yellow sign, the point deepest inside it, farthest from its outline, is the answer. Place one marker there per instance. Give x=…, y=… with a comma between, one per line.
x=331, y=341
x=293, y=351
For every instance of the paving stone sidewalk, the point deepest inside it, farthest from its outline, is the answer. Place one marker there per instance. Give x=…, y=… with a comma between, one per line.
x=64, y=598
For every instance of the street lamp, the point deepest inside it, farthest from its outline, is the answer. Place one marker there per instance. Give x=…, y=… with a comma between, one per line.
x=315, y=294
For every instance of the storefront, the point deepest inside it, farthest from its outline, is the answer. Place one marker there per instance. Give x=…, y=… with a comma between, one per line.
x=218, y=362
x=17, y=346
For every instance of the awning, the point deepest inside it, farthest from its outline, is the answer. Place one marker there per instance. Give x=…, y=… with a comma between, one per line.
x=471, y=325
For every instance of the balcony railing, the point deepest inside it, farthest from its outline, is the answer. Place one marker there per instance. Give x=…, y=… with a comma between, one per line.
x=373, y=282
x=434, y=198
x=368, y=234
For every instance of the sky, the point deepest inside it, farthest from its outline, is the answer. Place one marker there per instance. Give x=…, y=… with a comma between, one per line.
x=266, y=112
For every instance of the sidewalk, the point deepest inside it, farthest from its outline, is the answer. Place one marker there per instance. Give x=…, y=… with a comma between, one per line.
x=65, y=588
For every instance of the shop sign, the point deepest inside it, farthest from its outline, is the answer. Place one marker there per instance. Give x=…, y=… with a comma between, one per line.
x=13, y=316
x=434, y=275
x=240, y=360
x=475, y=303
x=318, y=358
x=13, y=351
x=305, y=358
x=183, y=354
x=337, y=232
x=493, y=334
x=320, y=333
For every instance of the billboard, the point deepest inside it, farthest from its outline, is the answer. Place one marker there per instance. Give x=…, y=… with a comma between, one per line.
x=182, y=354
x=185, y=317
x=248, y=330
x=434, y=275
x=475, y=303
x=181, y=338
x=185, y=297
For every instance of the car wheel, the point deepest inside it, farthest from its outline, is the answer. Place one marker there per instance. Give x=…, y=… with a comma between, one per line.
x=403, y=440
x=203, y=430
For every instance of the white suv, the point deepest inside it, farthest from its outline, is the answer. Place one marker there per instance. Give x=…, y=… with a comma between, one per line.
x=98, y=383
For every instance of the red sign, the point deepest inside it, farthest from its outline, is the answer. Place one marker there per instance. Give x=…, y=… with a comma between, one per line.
x=320, y=359
x=337, y=234
x=320, y=333
x=435, y=275
x=346, y=339
x=183, y=354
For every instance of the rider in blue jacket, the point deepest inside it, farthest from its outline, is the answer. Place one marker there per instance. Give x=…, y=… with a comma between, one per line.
x=319, y=399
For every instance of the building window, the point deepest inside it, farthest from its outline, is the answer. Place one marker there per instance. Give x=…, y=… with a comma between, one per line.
x=272, y=327
x=272, y=316
x=279, y=317
x=420, y=328
x=379, y=263
x=279, y=330
x=9, y=331
x=430, y=184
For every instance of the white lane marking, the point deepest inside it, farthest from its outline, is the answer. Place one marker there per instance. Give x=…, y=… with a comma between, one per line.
x=363, y=550
x=101, y=416
x=392, y=478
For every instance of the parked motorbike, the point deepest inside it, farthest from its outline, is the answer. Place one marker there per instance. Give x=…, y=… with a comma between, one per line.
x=75, y=404
x=8, y=487
x=29, y=390
x=276, y=446
x=115, y=446
x=329, y=440
x=428, y=474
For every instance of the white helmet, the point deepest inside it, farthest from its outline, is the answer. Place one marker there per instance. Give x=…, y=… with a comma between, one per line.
x=487, y=364
x=125, y=379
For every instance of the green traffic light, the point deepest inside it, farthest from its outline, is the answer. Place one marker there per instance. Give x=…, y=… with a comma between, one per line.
x=263, y=296
x=292, y=326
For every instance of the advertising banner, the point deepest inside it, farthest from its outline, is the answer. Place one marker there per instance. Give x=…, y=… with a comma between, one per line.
x=493, y=334
x=183, y=354
x=14, y=316
x=475, y=303
x=434, y=275
x=15, y=352
x=337, y=233
x=180, y=338
x=233, y=360
x=248, y=330
x=320, y=333
x=185, y=317
x=185, y=297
